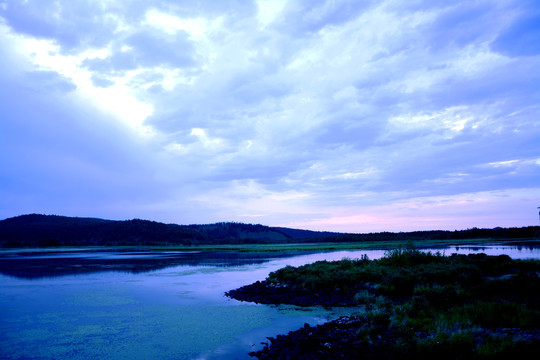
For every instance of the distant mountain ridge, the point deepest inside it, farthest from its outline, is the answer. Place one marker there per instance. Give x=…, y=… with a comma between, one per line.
x=35, y=230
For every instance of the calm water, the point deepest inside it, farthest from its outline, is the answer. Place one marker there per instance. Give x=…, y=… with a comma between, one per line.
x=152, y=305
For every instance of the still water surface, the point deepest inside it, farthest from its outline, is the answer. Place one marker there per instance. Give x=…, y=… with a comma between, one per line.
x=153, y=305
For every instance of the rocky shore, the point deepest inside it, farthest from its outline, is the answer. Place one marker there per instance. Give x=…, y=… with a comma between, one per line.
x=333, y=340
x=343, y=339
x=264, y=292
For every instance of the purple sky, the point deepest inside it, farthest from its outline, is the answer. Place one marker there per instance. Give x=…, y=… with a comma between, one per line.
x=340, y=115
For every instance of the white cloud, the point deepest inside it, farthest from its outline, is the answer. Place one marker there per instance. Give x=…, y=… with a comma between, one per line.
x=284, y=109
x=450, y=121
x=269, y=10
x=503, y=163
x=196, y=27
x=116, y=98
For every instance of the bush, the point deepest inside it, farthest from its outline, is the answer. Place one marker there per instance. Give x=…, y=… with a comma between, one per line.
x=427, y=305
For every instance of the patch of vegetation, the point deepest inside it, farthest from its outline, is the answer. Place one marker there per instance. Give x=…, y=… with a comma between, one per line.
x=418, y=305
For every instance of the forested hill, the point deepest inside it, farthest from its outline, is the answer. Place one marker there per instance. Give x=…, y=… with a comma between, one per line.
x=51, y=230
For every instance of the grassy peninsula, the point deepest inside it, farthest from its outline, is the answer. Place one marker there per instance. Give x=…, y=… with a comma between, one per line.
x=409, y=304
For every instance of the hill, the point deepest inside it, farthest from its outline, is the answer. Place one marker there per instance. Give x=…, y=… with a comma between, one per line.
x=51, y=230
x=36, y=230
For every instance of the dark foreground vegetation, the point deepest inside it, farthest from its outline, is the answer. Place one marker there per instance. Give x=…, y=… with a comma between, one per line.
x=409, y=305
x=53, y=231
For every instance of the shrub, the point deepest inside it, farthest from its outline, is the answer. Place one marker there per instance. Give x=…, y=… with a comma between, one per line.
x=495, y=315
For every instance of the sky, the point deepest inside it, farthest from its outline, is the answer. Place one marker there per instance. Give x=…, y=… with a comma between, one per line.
x=338, y=115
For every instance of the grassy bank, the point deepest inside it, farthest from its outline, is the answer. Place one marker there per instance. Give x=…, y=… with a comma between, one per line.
x=337, y=246
x=412, y=304
x=289, y=247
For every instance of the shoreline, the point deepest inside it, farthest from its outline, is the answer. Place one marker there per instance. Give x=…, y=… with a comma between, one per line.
x=464, y=306
x=289, y=247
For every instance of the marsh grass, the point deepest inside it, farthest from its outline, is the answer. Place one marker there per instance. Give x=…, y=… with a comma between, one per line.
x=444, y=306
x=337, y=246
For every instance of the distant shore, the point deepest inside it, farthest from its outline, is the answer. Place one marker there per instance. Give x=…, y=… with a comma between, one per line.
x=52, y=231
x=292, y=247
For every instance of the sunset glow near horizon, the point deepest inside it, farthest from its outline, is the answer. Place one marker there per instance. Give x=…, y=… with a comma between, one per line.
x=352, y=116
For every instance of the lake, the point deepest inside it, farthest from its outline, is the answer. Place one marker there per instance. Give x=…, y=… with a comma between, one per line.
x=90, y=304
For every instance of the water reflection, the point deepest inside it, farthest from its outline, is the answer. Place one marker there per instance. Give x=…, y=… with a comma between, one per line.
x=151, y=305
x=37, y=265
x=26, y=264
x=520, y=251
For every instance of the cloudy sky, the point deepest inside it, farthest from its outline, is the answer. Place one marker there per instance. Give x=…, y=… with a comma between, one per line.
x=338, y=115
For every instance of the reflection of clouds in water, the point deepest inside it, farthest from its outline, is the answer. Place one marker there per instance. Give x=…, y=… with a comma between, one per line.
x=515, y=252
x=180, y=310
x=190, y=270
x=170, y=264
x=40, y=265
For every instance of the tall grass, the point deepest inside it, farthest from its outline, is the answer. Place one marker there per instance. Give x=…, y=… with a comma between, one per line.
x=450, y=305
